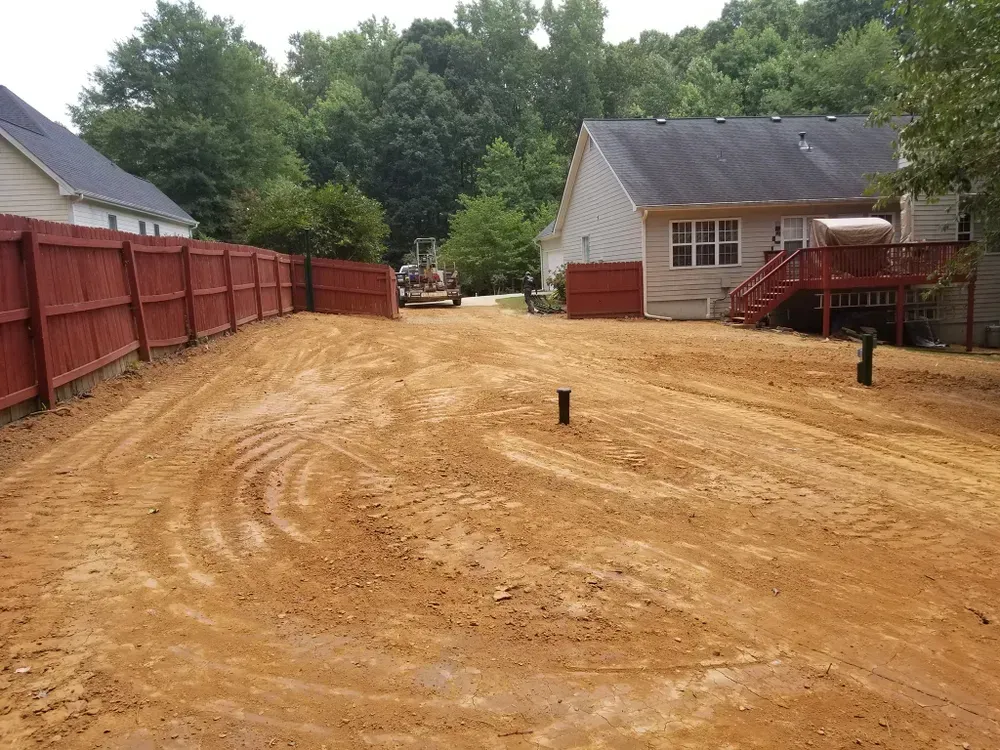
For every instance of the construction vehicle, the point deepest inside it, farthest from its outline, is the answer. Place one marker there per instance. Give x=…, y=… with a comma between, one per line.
x=425, y=280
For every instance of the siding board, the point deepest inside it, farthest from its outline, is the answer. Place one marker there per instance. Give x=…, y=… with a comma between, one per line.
x=600, y=209
x=26, y=190
x=88, y=214
x=936, y=222
x=701, y=292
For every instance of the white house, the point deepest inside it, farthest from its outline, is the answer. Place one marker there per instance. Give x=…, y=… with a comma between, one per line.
x=46, y=172
x=700, y=201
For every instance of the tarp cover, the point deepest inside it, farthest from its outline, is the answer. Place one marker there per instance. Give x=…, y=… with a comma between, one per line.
x=833, y=232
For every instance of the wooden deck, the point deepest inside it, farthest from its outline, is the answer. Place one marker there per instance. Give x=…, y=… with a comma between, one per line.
x=828, y=269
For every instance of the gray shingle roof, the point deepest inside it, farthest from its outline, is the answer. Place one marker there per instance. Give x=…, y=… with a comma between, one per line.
x=548, y=230
x=745, y=159
x=78, y=164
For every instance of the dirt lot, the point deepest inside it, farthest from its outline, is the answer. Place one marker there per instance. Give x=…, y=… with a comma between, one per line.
x=373, y=534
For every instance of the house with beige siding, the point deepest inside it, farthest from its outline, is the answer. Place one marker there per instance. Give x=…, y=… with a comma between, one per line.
x=47, y=172
x=703, y=202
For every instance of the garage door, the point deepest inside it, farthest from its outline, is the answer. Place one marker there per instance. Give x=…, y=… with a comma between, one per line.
x=553, y=261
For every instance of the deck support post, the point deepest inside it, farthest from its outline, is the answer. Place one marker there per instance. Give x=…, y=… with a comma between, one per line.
x=827, y=296
x=900, y=311
x=970, y=315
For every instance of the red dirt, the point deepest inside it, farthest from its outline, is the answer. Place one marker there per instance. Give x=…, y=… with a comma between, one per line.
x=733, y=545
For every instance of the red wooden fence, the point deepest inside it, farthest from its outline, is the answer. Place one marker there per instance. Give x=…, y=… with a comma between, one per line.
x=343, y=286
x=75, y=299
x=604, y=290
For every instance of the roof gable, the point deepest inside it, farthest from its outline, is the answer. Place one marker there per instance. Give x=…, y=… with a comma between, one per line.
x=744, y=159
x=78, y=164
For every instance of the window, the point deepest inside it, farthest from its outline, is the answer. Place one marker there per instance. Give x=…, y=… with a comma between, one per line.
x=891, y=218
x=680, y=243
x=112, y=221
x=142, y=227
x=964, y=224
x=796, y=232
x=705, y=243
x=156, y=230
x=585, y=242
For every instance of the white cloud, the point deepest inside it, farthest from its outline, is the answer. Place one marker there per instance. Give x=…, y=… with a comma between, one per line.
x=51, y=47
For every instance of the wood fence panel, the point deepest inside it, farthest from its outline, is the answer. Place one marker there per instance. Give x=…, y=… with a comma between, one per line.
x=298, y=278
x=160, y=271
x=342, y=286
x=268, y=283
x=285, y=279
x=18, y=381
x=604, y=290
x=244, y=287
x=208, y=282
x=87, y=303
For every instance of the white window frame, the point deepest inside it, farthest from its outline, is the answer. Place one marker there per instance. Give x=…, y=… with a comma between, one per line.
x=156, y=230
x=112, y=221
x=694, y=243
x=958, y=223
x=142, y=227
x=585, y=247
x=806, y=229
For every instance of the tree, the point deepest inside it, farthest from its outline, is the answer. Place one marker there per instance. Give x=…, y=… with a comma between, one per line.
x=336, y=135
x=189, y=104
x=828, y=19
x=527, y=184
x=707, y=93
x=418, y=173
x=504, y=29
x=855, y=75
x=753, y=16
x=950, y=78
x=362, y=57
x=571, y=64
x=491, y=244
x=502, y=175
x=334, y=221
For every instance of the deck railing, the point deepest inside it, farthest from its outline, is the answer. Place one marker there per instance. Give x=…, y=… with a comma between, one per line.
x=849, y=266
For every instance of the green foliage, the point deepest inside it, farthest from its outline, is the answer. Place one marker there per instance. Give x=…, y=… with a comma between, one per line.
x=558, y=283
x=189, y=104
x=828, y=19
x=491, y=244
x=333, y=221
x=855, y=75
x=527, y=184
x=570, y=84
x=950, y=78
x=416, y=118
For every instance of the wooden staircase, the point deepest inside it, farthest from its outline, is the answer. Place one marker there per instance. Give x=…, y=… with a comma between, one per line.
x=770, y=285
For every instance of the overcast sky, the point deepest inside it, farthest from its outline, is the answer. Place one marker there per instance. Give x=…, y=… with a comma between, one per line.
x=50, y=46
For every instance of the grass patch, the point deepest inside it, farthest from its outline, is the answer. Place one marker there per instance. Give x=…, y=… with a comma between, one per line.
x=513, y=303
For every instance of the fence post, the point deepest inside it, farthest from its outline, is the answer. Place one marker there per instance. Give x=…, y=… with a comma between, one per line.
x=39, y=321
x=900, y=313
x=308, y=277
x=227, y=261
x=128, y=254
x=970, y=314
x=192, y=326
x=277, y=281
x=256, y=285
x=827, y=301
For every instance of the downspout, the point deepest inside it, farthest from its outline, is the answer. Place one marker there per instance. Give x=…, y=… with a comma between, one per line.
x=645, y=276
